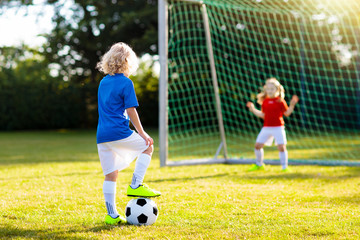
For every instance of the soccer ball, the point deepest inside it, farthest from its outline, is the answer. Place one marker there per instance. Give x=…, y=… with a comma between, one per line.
x=141, y=211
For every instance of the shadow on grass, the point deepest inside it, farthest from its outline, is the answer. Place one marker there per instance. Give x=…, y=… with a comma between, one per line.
x=33, y=147
x=7, y=232
x=92, y=173
x=189, y=178
x=57, y=146
x=11, y=232
x=342, y=174
x=318, y=173
x=354, y=199
x=14, y=163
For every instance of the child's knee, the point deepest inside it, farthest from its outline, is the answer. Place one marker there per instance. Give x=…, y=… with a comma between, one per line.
x=112, y=176
x=282, y=147
x=149, y=150
x=259, y=146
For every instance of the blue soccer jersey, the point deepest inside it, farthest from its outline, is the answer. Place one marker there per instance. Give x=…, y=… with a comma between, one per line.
x=115, y=94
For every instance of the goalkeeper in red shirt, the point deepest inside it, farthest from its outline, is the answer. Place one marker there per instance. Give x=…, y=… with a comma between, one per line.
x=273, y=107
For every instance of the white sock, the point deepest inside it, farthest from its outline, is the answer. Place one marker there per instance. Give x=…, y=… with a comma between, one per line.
x=109, y=189
x=259, y=156
x=283, y=159
x=142, y=163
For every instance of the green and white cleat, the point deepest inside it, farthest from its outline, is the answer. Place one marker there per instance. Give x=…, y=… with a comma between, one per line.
x=115, y=221
x=142, y=191
x=255, y=167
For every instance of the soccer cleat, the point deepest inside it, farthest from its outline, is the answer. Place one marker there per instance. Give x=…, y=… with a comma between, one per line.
x=115, y=221
x=255, y=167
x=286, y=170
x=142, y=191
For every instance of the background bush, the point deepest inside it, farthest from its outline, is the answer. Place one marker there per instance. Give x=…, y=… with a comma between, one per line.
x=32, y=98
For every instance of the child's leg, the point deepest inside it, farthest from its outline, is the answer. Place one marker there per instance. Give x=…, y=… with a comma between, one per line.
x=142, y=163
x=283, y=155
x=259, y=153
x=280, y=138
x=109, y=190
x=264, y=138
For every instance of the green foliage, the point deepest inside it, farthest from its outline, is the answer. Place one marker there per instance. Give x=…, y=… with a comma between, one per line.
x=147, y=86
x=82, y=33
x=32, y=98
x=86, y=30
x=22, y=64
x=42, y=105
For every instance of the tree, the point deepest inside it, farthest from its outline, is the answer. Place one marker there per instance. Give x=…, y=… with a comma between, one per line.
x=23, y=64
x=147, y=87
x=90, y=27
x=85, y=29
x=31, y=98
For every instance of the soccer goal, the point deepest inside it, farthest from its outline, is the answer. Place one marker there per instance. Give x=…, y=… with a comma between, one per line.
x=216, y=55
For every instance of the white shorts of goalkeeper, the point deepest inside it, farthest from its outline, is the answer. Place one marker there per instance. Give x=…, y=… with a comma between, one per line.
x=267, y=135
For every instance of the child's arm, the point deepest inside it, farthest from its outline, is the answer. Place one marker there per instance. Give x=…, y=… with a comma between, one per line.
x=293, y=102
x=252, y=109
x=135, y=120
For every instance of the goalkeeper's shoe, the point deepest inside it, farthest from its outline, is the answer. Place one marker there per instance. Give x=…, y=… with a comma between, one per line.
x=255, y=167
x=286, y=169
x=115, y=221
x=142, y=191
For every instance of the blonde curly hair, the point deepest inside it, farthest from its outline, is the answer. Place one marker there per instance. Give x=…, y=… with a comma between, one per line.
x=119, y=59
x=280, y=90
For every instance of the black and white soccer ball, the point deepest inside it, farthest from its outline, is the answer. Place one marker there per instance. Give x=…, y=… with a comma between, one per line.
x=141, y=211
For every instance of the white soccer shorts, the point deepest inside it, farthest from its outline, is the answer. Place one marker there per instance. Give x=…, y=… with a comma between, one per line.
x=117, y=155
x=267, y=135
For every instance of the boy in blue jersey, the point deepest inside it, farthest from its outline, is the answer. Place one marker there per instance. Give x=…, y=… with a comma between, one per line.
x=117, y=144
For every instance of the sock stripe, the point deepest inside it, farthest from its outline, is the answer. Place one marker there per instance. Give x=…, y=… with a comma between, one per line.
x=133, y=182
x=109, y=208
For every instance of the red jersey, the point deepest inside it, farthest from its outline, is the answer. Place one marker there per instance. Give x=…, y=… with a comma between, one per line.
x=274, y=108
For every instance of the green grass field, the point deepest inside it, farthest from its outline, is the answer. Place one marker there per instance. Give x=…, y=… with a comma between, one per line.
x=51, y=188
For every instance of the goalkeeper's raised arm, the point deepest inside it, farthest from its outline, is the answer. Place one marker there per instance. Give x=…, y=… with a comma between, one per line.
x=255, y=111
x=293, y=102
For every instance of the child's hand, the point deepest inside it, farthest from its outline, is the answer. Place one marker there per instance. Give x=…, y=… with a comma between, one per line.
x=149, y=141
x=294, y=100
x=250, y=105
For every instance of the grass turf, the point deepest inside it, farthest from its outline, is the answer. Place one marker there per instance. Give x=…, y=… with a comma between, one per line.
x=51, y=188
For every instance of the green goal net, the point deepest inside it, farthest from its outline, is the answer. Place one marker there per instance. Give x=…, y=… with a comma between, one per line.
x=218, y=55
